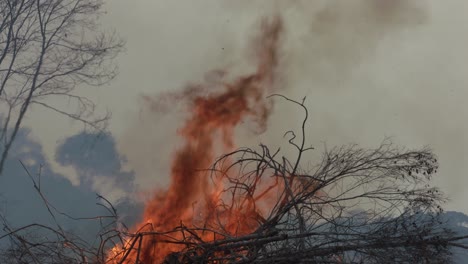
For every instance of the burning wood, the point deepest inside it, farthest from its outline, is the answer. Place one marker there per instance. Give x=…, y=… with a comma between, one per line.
x=256, y=206
x=224, y=208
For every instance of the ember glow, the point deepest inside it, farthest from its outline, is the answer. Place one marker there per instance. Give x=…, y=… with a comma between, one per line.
x=194, y=197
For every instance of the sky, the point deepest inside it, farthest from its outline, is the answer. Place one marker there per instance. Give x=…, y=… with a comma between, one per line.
x=370, y=69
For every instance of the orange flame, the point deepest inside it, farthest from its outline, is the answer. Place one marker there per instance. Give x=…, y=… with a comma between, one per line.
x=193, y=197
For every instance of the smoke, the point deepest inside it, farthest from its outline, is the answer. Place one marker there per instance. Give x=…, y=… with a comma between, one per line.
x=324, y=44
x=365, y=67
x=332, y=39
x=369, y=69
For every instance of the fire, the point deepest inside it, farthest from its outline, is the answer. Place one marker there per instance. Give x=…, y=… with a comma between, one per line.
x=194, y=198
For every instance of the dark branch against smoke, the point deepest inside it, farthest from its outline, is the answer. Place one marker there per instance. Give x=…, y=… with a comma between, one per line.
x=356, y=205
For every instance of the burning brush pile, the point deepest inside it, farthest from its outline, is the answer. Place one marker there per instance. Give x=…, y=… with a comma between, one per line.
x=207, y=208
x=256, y=206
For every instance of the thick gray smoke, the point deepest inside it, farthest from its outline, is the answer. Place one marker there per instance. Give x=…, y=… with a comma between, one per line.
x=369, y=68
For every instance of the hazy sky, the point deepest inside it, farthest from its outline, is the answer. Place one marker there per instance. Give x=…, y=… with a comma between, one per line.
x=369, y=68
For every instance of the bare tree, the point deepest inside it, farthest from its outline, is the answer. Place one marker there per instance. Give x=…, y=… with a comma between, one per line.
x=354, y=206
x=48, y=48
